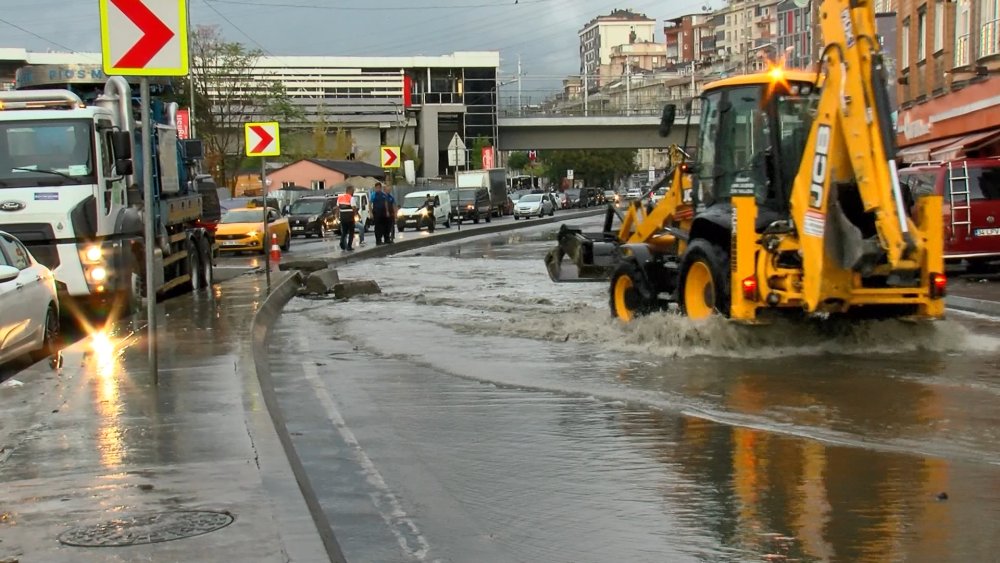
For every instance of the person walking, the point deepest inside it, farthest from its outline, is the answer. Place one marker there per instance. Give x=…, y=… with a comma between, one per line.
x=345, y=203
x=382, y=215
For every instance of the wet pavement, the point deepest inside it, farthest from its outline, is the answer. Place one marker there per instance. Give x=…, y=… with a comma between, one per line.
x=477, y=412
x=97, y=443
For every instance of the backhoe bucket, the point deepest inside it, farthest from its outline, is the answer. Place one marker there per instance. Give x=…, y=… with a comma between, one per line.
x=591, y=256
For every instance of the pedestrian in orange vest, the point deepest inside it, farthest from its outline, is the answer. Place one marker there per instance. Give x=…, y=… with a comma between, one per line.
x=345, y=202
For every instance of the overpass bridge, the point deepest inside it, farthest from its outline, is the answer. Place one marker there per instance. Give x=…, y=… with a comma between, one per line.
x=544, y=132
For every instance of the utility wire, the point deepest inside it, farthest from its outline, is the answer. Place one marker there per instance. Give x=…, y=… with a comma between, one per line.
x=33, y=34
x=374, y=8
x=236, y=27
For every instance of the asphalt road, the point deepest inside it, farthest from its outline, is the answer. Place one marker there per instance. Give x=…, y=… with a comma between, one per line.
x=477, y=412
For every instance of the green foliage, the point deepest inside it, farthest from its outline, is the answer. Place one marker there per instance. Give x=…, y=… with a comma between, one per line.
x=518, y=161
x=228, y=71
x=600, y=167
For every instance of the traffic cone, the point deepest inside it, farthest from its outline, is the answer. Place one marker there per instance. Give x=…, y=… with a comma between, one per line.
x=275, y=252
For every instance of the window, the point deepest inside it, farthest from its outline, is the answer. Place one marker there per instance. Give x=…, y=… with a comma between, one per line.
x=17, y=255
x=938, y=26
x=318, y=185
x=962, y=33
x=922, y=34
x=989, y=35
x=287, y=184
x=904, y=48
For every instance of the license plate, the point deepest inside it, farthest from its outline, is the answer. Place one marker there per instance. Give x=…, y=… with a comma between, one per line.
x=298, y=228
x=230, y=243
x=987, y=232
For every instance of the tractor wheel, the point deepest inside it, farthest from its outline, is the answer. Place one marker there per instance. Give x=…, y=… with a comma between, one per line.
x=704, y=283
x=631, y=295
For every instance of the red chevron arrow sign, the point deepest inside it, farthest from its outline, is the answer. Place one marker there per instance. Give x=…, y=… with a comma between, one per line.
x=144, y=37
x=262, y=139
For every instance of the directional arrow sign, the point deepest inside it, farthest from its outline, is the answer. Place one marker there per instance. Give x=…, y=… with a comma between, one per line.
x=390, y=157
x=144, y=37
x=262, y=139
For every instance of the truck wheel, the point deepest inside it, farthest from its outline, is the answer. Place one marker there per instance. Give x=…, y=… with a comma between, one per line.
x=206, y=271
x=631, y=295
x=704, y=283
x=193, y=265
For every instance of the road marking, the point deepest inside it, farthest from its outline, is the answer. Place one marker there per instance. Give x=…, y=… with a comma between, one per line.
x=388, y=506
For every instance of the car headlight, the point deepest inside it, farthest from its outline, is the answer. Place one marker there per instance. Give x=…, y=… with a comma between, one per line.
x=253, y=233
x=400, y=213
x=470, y=206
x=312, y=218
x=423, y=213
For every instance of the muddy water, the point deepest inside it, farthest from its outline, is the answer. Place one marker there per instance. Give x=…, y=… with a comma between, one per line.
x=511, y=419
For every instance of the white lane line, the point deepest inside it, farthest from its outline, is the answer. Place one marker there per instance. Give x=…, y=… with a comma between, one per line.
x=386, y=503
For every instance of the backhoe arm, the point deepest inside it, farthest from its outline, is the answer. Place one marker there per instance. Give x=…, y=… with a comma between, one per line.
x=851, y=141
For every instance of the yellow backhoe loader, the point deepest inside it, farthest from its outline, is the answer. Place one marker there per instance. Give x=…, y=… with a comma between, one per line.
x=790, y=204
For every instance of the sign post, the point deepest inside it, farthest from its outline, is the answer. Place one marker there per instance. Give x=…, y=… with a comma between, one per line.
x=145, y=38
x=263, y=140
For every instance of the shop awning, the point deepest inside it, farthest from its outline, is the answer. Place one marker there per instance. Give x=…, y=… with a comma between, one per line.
x=920, y=152
x=958, y=147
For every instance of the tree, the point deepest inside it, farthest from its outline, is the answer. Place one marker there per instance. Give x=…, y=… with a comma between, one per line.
x=228, y=94
x=600, y=167
x=518, y=161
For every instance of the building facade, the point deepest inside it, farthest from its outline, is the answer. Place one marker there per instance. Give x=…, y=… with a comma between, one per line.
x=601, y=34
x=690, y=38
x=949, y=79
x=635, y=58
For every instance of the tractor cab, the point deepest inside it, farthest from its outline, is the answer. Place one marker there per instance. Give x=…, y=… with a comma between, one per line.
x=751, y=137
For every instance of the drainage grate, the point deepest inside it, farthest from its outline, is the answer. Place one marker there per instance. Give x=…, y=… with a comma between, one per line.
x=149, y=528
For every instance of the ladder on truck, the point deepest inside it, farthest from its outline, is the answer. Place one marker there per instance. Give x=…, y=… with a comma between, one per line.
x=959, y=199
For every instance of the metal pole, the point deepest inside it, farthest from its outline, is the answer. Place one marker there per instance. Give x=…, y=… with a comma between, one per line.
x=265, y=239
x=586, y=93
x=692, y=80
x=628, y=90
x=190, y=76
x=150, y=233
x=519, y=86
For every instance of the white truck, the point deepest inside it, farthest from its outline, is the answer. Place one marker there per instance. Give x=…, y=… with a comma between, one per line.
x=493, y=179
x=70, y=190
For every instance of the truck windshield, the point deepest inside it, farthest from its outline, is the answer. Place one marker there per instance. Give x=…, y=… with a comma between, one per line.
x=46, y=152
x=467, y=194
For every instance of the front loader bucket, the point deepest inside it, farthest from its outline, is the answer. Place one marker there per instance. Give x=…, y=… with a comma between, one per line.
x=591, y=256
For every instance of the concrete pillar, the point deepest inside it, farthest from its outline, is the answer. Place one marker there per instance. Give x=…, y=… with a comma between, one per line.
x=428, y=136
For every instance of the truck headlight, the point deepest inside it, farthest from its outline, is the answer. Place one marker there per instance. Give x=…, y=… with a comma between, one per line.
x=98, y=274
x=92, y=254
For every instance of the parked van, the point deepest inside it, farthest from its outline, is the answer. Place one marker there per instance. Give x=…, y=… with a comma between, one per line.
x=473, y=204
x=413, y=214
x=313, y=215
x=971, y=191
x=363, y=218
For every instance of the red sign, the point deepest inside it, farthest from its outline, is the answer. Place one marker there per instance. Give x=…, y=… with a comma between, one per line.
x=183, y=124
x=487, y=158
x=532, y=155
x=407, y=91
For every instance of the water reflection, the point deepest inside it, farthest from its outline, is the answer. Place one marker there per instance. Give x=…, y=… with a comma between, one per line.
x=110, y=434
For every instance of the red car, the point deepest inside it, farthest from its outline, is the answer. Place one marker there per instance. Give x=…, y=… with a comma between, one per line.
x=971, y=190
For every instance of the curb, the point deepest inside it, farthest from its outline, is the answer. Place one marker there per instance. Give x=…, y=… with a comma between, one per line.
x=970, y=305
x=263, y=320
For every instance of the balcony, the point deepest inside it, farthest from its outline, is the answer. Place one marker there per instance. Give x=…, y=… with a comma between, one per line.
x=989, y=39
x=962, y=51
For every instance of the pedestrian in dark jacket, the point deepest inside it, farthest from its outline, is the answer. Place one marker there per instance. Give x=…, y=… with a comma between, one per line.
x=382, y=215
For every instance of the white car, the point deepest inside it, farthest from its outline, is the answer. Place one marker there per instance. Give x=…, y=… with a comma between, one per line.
x=532, y=205
x=633, y=193
x=29, y=308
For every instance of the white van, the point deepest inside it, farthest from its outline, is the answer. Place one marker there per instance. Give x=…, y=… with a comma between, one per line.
x=413, y=214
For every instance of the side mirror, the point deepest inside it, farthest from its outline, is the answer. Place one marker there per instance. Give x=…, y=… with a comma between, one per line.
x=121, y=143
x=124, y=166
x=8, y=273
x=667, y=119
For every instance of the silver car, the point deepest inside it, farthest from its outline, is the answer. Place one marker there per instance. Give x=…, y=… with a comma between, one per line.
x=29, y=308
x=534, y=205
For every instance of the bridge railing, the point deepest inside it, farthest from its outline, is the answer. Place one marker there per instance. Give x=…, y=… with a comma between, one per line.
x=548, y=102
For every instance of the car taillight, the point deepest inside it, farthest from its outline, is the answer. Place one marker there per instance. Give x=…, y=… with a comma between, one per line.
x=939, y=285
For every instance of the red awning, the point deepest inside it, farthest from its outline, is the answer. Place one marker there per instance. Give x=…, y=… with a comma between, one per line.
x=960, y=145
x=921, y=152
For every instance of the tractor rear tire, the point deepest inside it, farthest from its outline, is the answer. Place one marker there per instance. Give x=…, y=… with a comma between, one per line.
x=631, y=294
x=704, y=284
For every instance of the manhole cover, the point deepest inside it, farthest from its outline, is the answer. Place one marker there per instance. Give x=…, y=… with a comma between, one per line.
x=148, y=528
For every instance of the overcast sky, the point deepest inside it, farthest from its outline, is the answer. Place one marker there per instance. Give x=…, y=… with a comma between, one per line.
x=542, y=32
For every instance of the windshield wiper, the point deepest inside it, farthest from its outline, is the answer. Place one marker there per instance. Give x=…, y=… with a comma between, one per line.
x=47, y=171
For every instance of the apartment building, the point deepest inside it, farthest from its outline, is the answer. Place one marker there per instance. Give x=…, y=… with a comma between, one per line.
x=633, y=58
x=689, y=38
x=601, y=34
x=949, y=79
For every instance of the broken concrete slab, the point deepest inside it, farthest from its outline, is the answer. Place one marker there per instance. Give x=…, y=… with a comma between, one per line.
x=306, y=266
x=320, y=282
x=354, y=288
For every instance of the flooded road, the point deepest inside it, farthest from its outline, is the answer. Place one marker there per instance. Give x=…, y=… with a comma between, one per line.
x=475, y=411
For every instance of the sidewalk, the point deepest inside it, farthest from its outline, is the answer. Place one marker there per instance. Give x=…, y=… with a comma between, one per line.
x=975, y=294
x=96, y=442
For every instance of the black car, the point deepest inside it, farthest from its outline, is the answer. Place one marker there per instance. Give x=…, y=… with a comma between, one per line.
x=472, y=204
x=313, y=215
